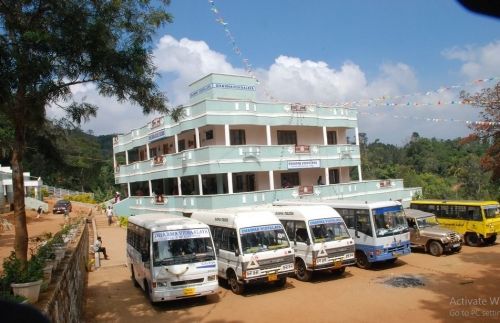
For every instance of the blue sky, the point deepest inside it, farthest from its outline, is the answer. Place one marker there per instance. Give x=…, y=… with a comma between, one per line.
x=344, y=50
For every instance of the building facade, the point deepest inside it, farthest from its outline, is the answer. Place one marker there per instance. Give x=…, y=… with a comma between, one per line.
x=229, y=150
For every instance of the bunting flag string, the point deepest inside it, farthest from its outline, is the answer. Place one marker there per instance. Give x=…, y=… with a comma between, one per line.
x=402, y=100
x=468, y=122
x=236, y=48
x=427, y=98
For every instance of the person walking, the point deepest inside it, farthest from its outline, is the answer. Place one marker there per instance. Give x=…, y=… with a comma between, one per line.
x=99, y=248
x=39, y=212
x=109, y=214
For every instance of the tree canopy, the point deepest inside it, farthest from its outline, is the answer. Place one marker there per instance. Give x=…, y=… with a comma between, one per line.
x=47, y=46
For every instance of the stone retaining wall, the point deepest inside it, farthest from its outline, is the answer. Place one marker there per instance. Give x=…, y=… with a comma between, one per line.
x=64, y=301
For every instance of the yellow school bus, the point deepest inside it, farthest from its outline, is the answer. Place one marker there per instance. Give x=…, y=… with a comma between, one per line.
x=477, y=221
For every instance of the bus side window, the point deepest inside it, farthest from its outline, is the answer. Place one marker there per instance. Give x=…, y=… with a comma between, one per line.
x=364, y=225
x=474, y=213
x=233, y=240
x=217, y=236
x=290, y=229
x=349, y=220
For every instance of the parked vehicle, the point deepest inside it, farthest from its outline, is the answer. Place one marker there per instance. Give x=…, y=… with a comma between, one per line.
x=379, y=229
x=61, y=206
x=252, y=247
x=171, y=257
x=319, y=238
x=477, y=221
x=425, y=232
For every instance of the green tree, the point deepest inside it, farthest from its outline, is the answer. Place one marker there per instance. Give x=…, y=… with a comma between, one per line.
x=46, y=46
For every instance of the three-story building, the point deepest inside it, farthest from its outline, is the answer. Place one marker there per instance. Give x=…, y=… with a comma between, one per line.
x=230, y=150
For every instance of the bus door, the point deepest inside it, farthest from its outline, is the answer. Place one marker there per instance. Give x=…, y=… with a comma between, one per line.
x=300, y=241
x=227, y=249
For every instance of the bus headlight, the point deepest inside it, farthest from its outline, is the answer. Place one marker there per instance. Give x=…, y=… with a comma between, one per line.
x=159, y=284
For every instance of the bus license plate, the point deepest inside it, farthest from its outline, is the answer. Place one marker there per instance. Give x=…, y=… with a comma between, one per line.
x=456, y=245
x=272, y=277
x=396, y=254
x=337, y=263
x=189, y=291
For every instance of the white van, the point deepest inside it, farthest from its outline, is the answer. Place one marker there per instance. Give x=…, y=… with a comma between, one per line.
x=319, y=238
x=171, y=257
x=251, y=247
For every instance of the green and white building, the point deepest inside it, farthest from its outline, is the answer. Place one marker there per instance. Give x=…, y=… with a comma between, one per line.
x=230, y=150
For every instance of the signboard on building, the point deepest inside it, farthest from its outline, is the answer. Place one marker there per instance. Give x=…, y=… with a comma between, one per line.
x=298, y=164
x=156, y=135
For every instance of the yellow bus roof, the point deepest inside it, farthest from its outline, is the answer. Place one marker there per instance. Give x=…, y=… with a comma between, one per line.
x=455, y=202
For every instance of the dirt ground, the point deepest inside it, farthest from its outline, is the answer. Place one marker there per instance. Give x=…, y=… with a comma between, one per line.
x=459, y=287
x=463, y=287
x=47, y=223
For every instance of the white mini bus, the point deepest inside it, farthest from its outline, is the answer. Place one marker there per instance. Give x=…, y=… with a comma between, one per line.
x=171, y=257
x=319, y=237
x=379, y=229
x=251, y=246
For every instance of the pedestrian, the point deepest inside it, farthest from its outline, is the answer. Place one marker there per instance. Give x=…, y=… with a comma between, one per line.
x=66, y=214
x=109, y=214
x=39, y=212
x=99, y=248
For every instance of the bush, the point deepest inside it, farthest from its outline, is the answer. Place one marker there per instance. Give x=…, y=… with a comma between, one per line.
x=84, y=198
x=13, y=272
x=123, y=220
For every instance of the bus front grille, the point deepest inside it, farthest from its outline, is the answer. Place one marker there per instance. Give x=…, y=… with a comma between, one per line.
x=186, y=282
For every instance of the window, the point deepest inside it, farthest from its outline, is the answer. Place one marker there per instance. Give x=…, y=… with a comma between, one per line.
x=474, y=213
x=287, y=137
x=209, y=134
x=229, y=240
x=182, y=144
x=334, y=176
x=331, y=137
x=237, y=137
x=289, y=180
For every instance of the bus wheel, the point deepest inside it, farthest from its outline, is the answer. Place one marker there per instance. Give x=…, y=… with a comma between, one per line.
x=472, y=239
x=301, y=271
x=136, y=284
x=490, y=240
x=147, y=291
x=281, y=282
x=236, y=286
x=362, y=261
x=435, y=248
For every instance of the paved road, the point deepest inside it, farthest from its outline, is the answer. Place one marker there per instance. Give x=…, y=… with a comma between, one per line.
x=449, y=282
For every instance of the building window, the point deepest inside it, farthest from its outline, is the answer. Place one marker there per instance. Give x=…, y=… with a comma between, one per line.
x=334, y=176
x=287, y=137
x=237, y=137
x=289, y=180
x=331, y=137
x=182, y=145
x=209, y=135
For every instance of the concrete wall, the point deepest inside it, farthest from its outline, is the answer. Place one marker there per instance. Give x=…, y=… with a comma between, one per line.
x=64, y=299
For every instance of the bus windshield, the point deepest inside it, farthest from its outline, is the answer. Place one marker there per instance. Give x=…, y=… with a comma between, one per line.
x=171, y=248
x=263, y=238
x=492, y=211
x=389, y=221
x=328, y=229
x=426, y=222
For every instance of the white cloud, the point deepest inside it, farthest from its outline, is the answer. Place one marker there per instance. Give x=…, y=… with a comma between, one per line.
x=478, y=62
x=292, y=79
